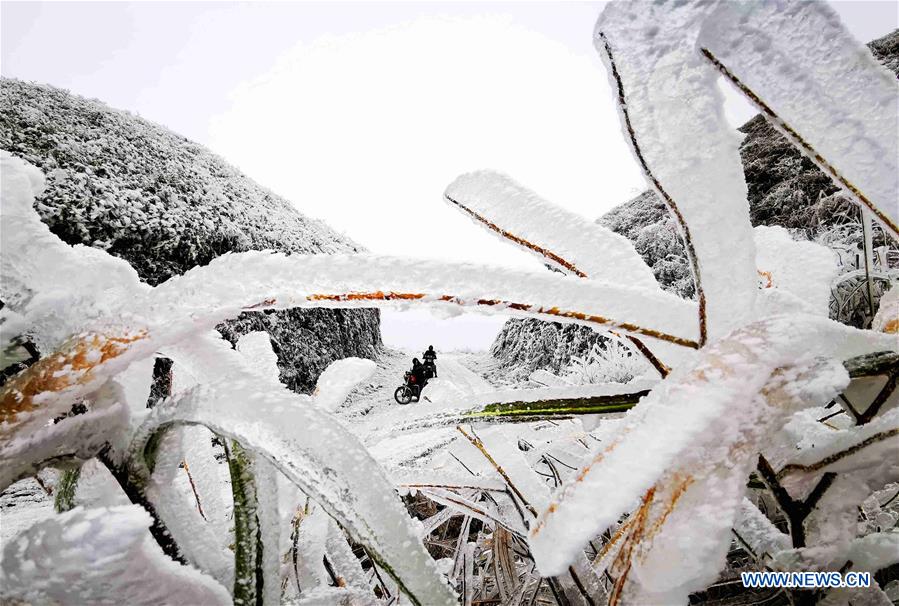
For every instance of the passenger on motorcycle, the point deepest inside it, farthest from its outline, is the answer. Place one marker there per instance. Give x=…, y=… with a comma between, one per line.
x=420, y=373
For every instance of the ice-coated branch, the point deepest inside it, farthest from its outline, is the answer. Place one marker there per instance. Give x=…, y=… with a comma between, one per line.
x=795, y=510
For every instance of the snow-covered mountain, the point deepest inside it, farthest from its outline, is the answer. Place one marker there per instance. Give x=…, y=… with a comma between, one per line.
x=784, y=188
x=166, y=204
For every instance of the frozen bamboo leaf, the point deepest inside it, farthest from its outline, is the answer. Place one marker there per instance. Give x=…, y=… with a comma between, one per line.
x=346, y=565
x=559, y=237
x=226, y=287
x=297, y=438
x=502, y=446
x=202, y=539
x=74, y=437
x=822, y=449
x=522, y=406
x=708, y=449
x=311, y=541
x=268, y=518
x=757, y=533
x=829, y=96
x=55, y=287
x=672, y=114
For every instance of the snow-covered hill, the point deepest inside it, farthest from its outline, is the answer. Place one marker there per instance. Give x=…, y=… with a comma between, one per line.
x=166, y=204
x=785, y=189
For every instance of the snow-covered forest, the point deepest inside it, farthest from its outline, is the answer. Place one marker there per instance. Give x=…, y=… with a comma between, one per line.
x=197, y=406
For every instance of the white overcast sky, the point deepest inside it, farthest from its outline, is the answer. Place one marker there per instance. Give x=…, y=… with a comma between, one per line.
x=362, y=113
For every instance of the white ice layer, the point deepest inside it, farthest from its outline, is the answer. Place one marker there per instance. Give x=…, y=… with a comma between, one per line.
x=232, y=283
x=77, y=437
x=256, y=348
x=54, y=288
x=675, y=111
x=99, y=556
x=829, y=88
x=686, y=434
x=757, y=532
x=795, y=275
x=587, y=247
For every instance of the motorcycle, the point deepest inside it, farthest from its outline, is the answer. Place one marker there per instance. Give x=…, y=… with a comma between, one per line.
x=411, y=389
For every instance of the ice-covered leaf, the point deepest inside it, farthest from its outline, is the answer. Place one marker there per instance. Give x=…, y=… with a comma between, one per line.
x=820, y=87
x=672, y=115
x=233, y=283
x=293, y=434
x=820, y=448
x=559, y=237
x=56, y=289
x=183, y=493
x=78, y=437
x=522, y=406
x=687, y=457
x=756, y=532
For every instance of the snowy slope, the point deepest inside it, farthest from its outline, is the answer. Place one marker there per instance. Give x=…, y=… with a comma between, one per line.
x=166, y=204
x=784, y=188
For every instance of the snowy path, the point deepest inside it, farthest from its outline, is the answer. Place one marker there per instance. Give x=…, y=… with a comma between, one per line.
x=372, y=412
x=452, y=371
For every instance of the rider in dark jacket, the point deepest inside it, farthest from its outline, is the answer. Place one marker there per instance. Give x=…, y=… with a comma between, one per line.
x=430, y=355
x=420, y=373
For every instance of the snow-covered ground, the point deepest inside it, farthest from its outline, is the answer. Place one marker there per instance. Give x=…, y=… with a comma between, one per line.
x=371, y=412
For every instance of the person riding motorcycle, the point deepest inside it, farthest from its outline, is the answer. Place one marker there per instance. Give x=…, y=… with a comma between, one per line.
x=420, y=374
x=430, y=355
